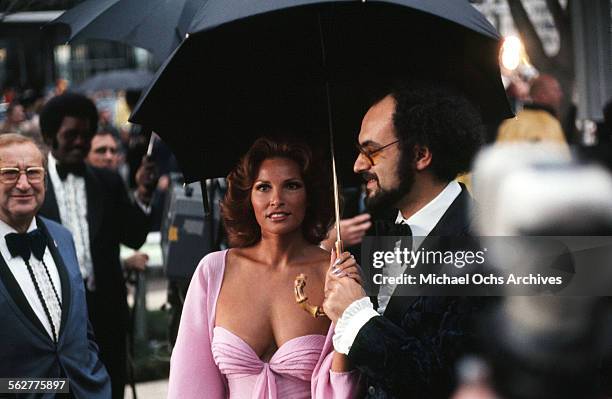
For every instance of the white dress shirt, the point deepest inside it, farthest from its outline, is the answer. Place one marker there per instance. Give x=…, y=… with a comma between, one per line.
x=71, y=197
x=361, y=311
x=19, y=270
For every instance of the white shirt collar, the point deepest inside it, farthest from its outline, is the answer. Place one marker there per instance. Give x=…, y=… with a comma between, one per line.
x=5, y=228
x=426, y=218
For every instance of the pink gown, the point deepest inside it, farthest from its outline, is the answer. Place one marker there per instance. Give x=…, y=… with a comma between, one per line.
x=213, y=363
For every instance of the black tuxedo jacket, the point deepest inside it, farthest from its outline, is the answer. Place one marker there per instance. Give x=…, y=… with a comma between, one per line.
x=113, y=219
x=411, y=351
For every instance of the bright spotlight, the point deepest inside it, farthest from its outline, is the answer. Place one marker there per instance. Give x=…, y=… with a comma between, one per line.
x=511, y=52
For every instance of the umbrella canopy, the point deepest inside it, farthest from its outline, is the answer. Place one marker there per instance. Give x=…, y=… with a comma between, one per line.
x=122, y=79
x=156, y=25
x=252, y=68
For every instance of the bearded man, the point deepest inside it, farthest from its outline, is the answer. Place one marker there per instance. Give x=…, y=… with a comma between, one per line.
x=413, y=143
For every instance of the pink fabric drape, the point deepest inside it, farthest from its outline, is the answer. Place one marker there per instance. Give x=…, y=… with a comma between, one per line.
x=212, y=362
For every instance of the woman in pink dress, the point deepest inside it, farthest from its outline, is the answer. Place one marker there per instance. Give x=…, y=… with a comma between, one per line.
x=241, y=334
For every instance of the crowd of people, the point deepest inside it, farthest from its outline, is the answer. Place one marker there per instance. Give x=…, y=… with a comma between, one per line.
x=73, y=187
x=83, y=191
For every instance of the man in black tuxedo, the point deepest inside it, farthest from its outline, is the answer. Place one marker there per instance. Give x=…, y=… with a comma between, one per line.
x=45, y=331
x=413, y=143
x=94, y=205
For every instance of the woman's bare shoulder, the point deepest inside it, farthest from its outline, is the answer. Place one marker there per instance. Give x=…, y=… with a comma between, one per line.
x=239, y=255
x=241, y=260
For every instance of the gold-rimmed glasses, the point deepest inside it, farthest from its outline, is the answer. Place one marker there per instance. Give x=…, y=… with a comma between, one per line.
x=34, y=174
x=371, y=155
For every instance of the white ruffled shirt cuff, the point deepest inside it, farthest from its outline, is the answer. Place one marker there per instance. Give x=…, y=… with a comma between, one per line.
x=354, y=317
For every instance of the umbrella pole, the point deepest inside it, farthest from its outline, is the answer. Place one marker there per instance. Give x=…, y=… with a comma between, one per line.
x=208, y=219
x=300, y=281
x=339, y=247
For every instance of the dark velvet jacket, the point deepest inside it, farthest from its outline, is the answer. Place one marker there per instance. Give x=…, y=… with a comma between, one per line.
x=411, y=351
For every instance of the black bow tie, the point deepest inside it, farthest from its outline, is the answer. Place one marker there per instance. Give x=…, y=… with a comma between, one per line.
x=64, y=170
x=22, y=244
x=388, y=228
x=403, y=229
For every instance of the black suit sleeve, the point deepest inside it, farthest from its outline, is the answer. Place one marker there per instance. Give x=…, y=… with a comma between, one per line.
x=137, y=225
x=404, y=360
x=134, y=223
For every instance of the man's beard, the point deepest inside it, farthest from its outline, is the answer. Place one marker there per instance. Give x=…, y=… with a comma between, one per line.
x=385, y=199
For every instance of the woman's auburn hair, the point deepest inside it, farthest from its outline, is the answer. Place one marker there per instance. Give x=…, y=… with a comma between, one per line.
x=237, y=210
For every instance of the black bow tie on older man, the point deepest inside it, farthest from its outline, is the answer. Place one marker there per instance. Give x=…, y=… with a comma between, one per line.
x=24, y=244
x=64, y=169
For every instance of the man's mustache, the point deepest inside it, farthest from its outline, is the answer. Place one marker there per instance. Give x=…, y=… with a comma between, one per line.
x=369, y=176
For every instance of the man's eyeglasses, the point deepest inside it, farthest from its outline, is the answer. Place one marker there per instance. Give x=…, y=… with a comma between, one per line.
x=34, y=174
x=104, y=149
x=371, y=155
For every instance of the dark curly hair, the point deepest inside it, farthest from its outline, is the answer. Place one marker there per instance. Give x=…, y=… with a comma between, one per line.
x=440, y=119
x=67, y=104
x=238, y=215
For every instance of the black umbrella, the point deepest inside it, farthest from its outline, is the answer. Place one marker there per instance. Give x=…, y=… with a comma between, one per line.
x=122, y=79
x=252, y=68
x=156, y=25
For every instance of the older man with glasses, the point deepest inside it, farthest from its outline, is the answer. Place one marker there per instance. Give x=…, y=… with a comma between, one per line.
x=45, y=331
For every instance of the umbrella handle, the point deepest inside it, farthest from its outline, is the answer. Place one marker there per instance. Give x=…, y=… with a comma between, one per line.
x=339, y=247
x=302, y=299
x=300, y=296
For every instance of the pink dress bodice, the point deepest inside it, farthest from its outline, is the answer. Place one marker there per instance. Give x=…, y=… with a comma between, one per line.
x=286, y=375
x=212, y=362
